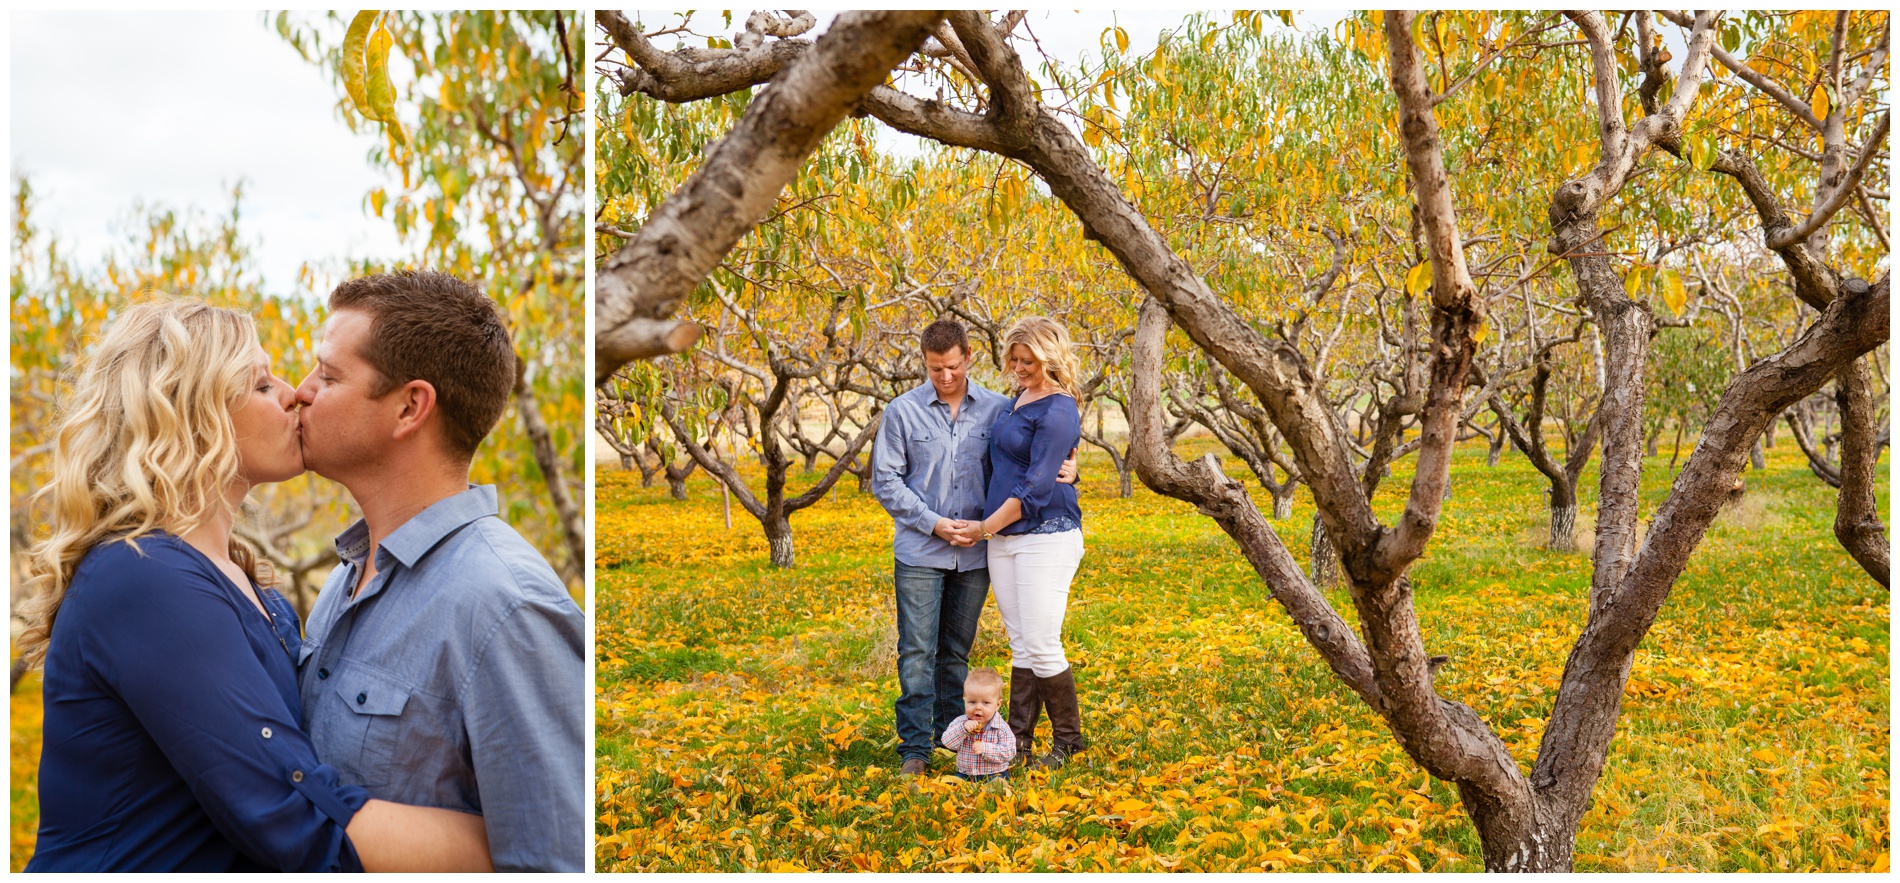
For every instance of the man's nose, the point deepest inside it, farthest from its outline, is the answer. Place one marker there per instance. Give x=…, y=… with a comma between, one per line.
x=307, y=390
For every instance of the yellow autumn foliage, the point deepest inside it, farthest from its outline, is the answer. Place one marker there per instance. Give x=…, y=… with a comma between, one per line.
x=744, y=714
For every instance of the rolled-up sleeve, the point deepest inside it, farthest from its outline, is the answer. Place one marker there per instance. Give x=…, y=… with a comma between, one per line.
x=889, y=464
x=170, y=645
x=1056, y=433
x=527, y=734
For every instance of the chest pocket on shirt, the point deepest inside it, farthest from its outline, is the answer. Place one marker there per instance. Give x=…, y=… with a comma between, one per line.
x=921, y=446
x=377, y=702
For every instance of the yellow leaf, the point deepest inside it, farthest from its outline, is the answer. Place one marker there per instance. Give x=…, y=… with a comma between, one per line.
x=1673, y=292
x=1633, y=281
x=1121, y=39
x=382, y=95
x=354, y=41
x=1418, y=278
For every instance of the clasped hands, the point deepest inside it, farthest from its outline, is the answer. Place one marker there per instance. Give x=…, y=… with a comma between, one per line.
x=959, y=532
x=964, y=533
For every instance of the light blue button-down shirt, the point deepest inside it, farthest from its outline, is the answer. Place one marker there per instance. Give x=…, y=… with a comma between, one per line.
x=456, y=678
x=927, y=466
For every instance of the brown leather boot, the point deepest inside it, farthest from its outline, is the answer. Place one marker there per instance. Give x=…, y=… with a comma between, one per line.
x=1025, y=706
x=1065, y=718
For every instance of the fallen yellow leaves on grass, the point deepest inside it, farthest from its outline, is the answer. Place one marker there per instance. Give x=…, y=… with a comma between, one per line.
x=745, y=712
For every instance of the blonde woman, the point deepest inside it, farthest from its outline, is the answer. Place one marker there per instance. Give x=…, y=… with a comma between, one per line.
x=172, y=734
x=1034, y=529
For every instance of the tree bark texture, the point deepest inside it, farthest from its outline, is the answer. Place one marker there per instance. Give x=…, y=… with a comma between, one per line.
x=778, y=536
x=1283, y=503
x=1857, y=520
x=1323, y=555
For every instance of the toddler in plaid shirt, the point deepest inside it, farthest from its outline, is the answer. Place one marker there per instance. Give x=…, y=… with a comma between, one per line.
x=982, y=741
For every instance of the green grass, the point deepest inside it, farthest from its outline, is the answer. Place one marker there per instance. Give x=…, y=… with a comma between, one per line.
x=744, y=716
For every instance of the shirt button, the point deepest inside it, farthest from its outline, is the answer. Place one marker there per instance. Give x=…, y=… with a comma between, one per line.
x=267, y=732
x=296, y=776
x=323, y=673
x=362, y=698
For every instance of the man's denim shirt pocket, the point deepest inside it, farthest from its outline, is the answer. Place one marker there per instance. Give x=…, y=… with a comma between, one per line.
x=376, y=702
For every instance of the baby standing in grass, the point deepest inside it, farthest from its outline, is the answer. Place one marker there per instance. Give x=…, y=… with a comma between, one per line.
x=983, y=743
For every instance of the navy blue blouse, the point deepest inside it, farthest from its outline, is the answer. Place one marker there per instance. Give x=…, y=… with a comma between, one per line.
x=1027, y=447
x=173, y=734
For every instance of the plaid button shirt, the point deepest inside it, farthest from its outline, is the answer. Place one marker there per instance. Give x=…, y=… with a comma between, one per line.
x=985, y=753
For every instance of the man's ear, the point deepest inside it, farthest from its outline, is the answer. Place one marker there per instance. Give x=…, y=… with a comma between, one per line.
x=418, y=407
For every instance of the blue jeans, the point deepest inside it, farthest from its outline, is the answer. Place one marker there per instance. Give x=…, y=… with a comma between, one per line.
x=937, y=612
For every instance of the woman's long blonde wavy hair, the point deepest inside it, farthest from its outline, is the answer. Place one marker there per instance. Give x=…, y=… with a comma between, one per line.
x=1049, y=342
x=145, y=442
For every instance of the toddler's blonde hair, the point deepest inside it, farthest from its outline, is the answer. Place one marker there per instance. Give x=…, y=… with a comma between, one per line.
x=985, y=678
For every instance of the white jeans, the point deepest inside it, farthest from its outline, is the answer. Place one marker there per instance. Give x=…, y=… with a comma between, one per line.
x=1030, y=574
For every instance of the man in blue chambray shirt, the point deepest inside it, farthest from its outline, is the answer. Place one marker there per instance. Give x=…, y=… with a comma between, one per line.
x=443, y=660
x=930, y=469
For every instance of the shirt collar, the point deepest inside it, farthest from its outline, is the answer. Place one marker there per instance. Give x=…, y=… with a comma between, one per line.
x=408, y=543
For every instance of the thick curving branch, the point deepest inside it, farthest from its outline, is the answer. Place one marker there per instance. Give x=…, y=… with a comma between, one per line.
x=1457, y=312
x=685, y=238
x=1814, y=281
x=1838, y=197
x=691, y=73
x=1226, y=501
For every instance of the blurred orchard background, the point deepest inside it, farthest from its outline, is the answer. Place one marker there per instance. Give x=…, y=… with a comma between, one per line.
x=223, y=156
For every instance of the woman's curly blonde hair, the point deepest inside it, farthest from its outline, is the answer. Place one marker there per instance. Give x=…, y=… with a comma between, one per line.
x=1049, y=343
x=144, y=443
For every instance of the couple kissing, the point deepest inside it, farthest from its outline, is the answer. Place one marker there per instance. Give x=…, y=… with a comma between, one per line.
x=431, y=714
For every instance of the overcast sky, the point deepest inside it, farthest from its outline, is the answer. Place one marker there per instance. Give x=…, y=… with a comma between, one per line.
x=107, y=108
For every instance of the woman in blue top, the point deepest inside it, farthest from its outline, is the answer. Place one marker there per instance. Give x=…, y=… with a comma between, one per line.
x=1034, y=529
x=173, y=738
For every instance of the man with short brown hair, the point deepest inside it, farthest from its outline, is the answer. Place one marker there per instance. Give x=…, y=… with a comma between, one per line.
x=443, y=661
